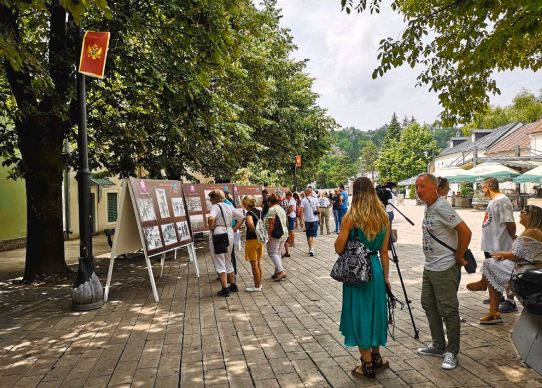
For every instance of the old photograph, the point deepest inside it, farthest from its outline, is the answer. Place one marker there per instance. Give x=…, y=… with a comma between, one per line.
x=161, y=198
x=152, y=236
x=183, y=231
x=178, y=206
x=168, y=231
x=207, y=201
x=146, y=209
x=193, y=204
x=197, y=222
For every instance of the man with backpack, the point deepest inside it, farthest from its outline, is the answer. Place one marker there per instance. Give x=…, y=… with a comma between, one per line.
x=276, y=227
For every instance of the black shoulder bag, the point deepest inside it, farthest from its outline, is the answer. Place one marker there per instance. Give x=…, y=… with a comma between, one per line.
x=469, y=257
x=278, y=231
x=221, y=240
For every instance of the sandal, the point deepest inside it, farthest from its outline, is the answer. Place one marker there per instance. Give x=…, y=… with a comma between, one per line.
x=366, y=370
x=378, y=361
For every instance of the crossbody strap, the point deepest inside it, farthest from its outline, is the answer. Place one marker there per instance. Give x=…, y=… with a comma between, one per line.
x=440, y=242
x=224, y=218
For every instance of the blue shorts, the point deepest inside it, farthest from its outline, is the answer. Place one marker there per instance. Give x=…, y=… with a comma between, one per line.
x=311, y=228
x=291, y=223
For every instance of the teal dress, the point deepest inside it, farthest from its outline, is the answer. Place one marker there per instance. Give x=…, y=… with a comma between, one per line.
x=364, y=315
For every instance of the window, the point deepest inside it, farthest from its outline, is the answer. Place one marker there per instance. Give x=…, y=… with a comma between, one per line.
x=112, y=207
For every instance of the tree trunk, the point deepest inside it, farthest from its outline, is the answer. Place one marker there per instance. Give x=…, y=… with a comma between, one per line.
x=40, y=142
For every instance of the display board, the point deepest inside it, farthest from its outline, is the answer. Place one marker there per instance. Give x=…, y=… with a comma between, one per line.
x=240, y=191
x=198, y=204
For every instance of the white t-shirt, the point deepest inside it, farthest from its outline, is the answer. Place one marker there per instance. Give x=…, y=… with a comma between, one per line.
x=293, y=203
x=495, y=237
x=441, y=219
x=309, y=205
x=230, y=214
x=323, y=202
x=389, y=208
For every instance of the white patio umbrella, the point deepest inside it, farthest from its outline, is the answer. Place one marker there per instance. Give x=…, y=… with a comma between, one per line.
x=533, y=176
x=456, y=175
x=493, y=169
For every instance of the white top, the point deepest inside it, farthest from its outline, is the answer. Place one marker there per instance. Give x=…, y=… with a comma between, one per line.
x=389, y=208
x=441, y=219
x=293, y=203
x=309, y=205
x=323, y=202
x=230, y=214
x=495, y=237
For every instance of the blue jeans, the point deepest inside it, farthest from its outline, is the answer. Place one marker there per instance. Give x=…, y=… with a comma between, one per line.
x=342, y=212
x=336, y=218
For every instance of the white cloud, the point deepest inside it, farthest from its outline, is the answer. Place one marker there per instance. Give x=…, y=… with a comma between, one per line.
x=342, y=51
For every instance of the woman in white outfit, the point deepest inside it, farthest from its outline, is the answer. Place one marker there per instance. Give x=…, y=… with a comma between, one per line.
x=274, y=246
x=220, y=221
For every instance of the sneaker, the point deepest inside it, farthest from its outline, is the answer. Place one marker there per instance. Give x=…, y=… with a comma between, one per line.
x=274, y=276
x=253, y=289
x=491, y=318
x=279, y=277
x=508, y=306
x=223, y=292
x=285, y=255
x=233, y=288
x=430, y=350
x=450, y=361
x=311, y=253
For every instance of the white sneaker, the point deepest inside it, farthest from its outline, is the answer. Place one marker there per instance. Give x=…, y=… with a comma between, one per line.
x=253, y=289
x=450, y=361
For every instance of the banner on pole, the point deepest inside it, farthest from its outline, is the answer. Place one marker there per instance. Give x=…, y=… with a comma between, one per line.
x=94, y=53
x=298, y=160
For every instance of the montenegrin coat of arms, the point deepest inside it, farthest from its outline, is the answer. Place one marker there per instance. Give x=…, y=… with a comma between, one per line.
x=94, y=51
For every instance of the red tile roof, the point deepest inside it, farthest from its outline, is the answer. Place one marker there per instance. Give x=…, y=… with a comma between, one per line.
x=518, y=137
x=537, y=128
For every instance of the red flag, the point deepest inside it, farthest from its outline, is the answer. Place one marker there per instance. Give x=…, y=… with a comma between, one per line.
x=94, y=53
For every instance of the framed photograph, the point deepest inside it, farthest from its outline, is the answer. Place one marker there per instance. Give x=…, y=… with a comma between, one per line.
x=183, y=231
x=178, y=206
x=152, y=236
x=161, y=198
x=197, y=222
x=146, y=209
x=207, y=201
x=193, y=204
x=168, y=231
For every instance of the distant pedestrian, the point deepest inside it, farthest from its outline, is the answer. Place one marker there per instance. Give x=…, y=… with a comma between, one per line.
x=324, y=204
x=335, y=206
x=298, y=211
x=311, y=214
x=343, y=203
x=291, y=215
x=253, y=247
x=276, y=214
x=442, y=270
x=364, y=318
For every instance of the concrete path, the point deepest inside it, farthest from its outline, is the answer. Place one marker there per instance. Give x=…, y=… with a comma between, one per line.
x=286, y=336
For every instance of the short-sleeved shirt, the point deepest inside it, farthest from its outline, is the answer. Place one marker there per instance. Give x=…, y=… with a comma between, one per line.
x=293, y=203
x=344, y=196
x=221, y=222
x=256, y=215
x=323, y=202
x=278, y=210
x=495, y=237
x=441, y=219
x=309, y=205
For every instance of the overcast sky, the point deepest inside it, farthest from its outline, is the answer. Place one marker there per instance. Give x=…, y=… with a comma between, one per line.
x=342, y=51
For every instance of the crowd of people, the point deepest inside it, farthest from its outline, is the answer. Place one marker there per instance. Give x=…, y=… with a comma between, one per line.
x=445, y=240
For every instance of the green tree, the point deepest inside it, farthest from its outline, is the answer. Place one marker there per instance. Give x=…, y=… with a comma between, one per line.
x=459, y=44
x=369, y=156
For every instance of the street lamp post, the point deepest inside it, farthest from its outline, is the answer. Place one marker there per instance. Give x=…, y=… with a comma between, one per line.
x=87, y=293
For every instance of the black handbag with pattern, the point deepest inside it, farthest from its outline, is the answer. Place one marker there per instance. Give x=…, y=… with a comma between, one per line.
x=354, y=265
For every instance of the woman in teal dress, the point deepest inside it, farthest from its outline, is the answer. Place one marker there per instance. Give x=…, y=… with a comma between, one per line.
x=364, y=316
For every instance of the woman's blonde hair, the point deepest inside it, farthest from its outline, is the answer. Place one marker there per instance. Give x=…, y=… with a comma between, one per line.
x=217, y=195
x=534, y=217
x=249, y=201
x=367, y=211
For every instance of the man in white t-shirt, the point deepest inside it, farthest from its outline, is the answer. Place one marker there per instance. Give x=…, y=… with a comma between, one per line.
x=498, y=233
x=311, y=213
x=442, y=270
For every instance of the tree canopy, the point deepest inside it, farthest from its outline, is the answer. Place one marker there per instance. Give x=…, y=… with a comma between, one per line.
x=459, y=45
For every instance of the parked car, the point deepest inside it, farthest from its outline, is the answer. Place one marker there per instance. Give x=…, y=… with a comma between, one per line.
x=480, y=201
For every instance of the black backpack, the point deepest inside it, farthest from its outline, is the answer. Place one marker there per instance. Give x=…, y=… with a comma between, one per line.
x=278, y=231
x=528, y=285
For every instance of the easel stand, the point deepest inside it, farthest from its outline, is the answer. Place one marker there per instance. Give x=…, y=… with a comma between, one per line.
x=191, y=255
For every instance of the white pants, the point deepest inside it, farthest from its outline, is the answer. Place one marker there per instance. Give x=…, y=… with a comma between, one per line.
x=274, y=249
x=222, y=261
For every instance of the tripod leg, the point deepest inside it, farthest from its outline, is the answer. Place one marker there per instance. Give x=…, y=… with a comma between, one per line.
x=395, y=259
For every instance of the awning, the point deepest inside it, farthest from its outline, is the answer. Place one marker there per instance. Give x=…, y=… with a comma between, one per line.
x=409, y=181
x=532, y=176
x=101, y=182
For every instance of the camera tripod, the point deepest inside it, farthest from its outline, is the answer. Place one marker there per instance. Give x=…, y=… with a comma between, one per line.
x=395, y=259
